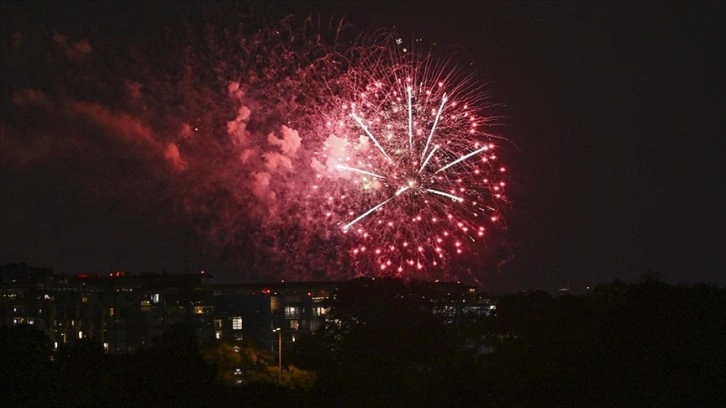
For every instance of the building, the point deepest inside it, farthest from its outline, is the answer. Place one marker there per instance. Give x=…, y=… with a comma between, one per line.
x=126, y=312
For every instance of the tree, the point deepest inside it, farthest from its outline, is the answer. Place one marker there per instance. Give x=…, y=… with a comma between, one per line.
x=171, y=372
x=647, y=344
x=25, y=366
x=89, y=376
x=385, y=344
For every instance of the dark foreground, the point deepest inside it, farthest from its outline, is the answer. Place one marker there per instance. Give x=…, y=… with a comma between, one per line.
x=388, y=344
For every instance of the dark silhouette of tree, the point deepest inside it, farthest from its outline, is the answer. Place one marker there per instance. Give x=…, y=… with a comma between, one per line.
x=386, y=344
x=26, y=373
x=621, y=345
x=171, y=372
x=89, y=376
x=647, y=344
x=395, y=343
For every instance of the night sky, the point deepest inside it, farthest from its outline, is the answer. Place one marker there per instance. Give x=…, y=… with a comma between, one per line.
x=613, y=116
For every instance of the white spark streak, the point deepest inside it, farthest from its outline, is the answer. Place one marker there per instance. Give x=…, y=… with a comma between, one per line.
x=453, y=197
x=410, y=119
x=365, y=214
x=344, y=167
x=428, y=158
x=370, y=135
x=461, y=159
x=433, y=128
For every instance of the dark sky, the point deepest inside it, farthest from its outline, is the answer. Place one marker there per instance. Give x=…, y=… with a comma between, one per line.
x=614, y=115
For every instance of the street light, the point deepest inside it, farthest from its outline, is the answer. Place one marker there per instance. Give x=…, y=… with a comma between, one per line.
x=279, y=354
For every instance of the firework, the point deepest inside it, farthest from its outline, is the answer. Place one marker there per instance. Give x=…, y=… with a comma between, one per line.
x=296, y=151
x=413, y=177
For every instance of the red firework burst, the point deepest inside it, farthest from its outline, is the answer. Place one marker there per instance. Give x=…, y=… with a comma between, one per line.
x=409, y=172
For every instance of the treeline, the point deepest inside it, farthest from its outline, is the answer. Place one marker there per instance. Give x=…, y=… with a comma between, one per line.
x=175, y=371
x=642, y=345
x=393, y=343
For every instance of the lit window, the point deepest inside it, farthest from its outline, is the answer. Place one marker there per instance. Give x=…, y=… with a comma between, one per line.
x=292, y=312
x=217, y=323
x=274, y=304
x=198, y=309
x=320, y=311
x=218, y=335
x=80, y=334
x=111, y=312
x=294, y=324
x=237, y=323
x=155, y=298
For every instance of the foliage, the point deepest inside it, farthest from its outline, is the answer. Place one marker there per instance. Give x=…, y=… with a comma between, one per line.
x=384, y=344
x=646, y=344
x=24, y=366
x=243, y=363
x=387, y=344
